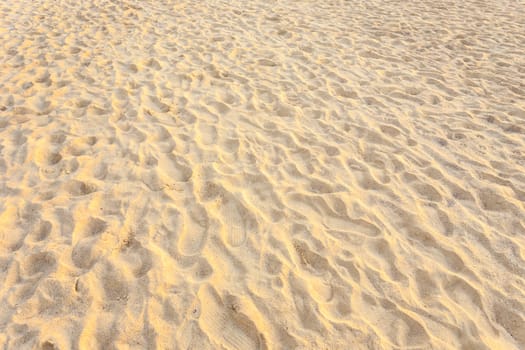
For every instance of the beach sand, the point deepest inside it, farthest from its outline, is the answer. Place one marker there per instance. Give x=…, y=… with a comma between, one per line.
x=262, y=174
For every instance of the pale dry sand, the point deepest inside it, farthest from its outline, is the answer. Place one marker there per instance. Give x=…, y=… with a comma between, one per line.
x=262, y=174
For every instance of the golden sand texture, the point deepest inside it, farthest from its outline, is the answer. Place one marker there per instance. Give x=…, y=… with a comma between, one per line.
x=302, y=174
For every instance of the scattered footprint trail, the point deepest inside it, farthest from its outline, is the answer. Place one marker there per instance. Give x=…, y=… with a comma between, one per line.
x=250, y=175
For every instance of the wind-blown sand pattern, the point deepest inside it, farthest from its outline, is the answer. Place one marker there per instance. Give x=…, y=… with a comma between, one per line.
x=262, y=174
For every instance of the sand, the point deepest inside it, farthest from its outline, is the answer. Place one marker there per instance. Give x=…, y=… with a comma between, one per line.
x=262, y=174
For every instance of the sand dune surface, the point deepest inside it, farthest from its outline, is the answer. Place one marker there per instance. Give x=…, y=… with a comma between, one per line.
x=181, y=174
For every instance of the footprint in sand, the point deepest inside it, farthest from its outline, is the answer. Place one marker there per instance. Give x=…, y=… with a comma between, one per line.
x=195, y=230
x=234, y=218
x=225, y=324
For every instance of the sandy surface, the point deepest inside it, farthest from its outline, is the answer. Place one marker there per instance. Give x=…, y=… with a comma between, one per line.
x=262, y=174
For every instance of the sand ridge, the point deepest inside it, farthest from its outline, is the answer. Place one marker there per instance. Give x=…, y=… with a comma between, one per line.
x=262, y=174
